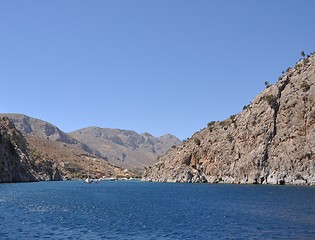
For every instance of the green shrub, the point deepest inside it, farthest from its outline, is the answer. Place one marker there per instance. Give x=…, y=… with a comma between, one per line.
x=306, y=61
x=305, y=86
x=298, y=66
x=197, y=141
x=246, y=106
x=211, y=125
x=232, y=117
x=267, y=84
x=271, y=100
x=224, y=123
x=230, y=138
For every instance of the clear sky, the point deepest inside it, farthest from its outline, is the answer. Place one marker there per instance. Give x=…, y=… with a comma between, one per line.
x=161, y=66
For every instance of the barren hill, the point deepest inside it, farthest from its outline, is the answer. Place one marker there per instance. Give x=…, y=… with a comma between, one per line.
x=74, y=152
x=272, y=141
x=54, y=155
x=125, y=148
x=37, y=128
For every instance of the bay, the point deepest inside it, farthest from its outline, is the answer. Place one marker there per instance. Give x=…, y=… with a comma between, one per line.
x=142, y=210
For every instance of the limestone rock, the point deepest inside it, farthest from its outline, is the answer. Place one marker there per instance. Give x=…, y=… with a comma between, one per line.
x=125, y=148
x=15, y=164
x=272, y=141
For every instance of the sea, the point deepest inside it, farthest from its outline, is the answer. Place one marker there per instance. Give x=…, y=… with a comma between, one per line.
x=148, y=210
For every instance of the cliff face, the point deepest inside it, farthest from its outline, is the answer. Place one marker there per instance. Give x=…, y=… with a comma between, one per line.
x=54, y=155
x=272, y=141
x=15, y=165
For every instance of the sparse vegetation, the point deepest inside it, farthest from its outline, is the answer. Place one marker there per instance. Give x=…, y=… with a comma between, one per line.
x=306, y=61
x=137, y=173
x=272, y=100
x=246, y=106
x=230, y=138
x=77, y=175
x=232, y=117
x=224, y=123
x=197, y=141
x=211, y=125
x=305, y=86
x=298, y=66
x=267, y=84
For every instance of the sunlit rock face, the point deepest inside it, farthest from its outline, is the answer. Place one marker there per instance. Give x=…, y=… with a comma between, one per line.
x=14, y=158
x=272, y=141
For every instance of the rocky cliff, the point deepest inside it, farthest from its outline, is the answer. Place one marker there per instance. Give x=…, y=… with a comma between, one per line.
x=53, y=155
x=272, y=141
x=56, y=155
x=15, y=165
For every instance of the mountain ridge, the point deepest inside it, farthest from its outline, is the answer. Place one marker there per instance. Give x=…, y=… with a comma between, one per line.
x=272, y=141
x=49, y=156
x=126, y=148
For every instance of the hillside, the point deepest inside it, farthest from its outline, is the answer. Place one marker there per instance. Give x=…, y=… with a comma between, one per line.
x=74, y=152
x=36, y=128
x=272, y=141
x=125, y=148
x=15, y=164
x=55, y=155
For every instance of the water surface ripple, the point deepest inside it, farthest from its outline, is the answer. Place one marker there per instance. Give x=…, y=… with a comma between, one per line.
x=138, y=210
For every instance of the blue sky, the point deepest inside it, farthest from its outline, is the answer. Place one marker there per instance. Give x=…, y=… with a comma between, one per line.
x=163, y=66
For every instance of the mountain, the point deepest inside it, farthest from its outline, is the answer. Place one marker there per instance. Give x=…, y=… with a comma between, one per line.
x=55, y=155
x=74, y=152
x=272, y=141
x=39, y=128
x=125, y=148
x=36, y=128
x=15, y=165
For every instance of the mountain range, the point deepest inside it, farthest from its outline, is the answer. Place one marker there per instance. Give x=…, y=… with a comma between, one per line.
x=125, y=148
x=271, y=141
x=102, y=151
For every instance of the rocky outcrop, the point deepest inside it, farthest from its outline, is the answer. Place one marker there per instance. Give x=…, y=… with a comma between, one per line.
x=17, y=160
x=15, y=165
x=272, y=141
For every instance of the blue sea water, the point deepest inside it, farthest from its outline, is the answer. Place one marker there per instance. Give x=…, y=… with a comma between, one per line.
x=140, y=210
